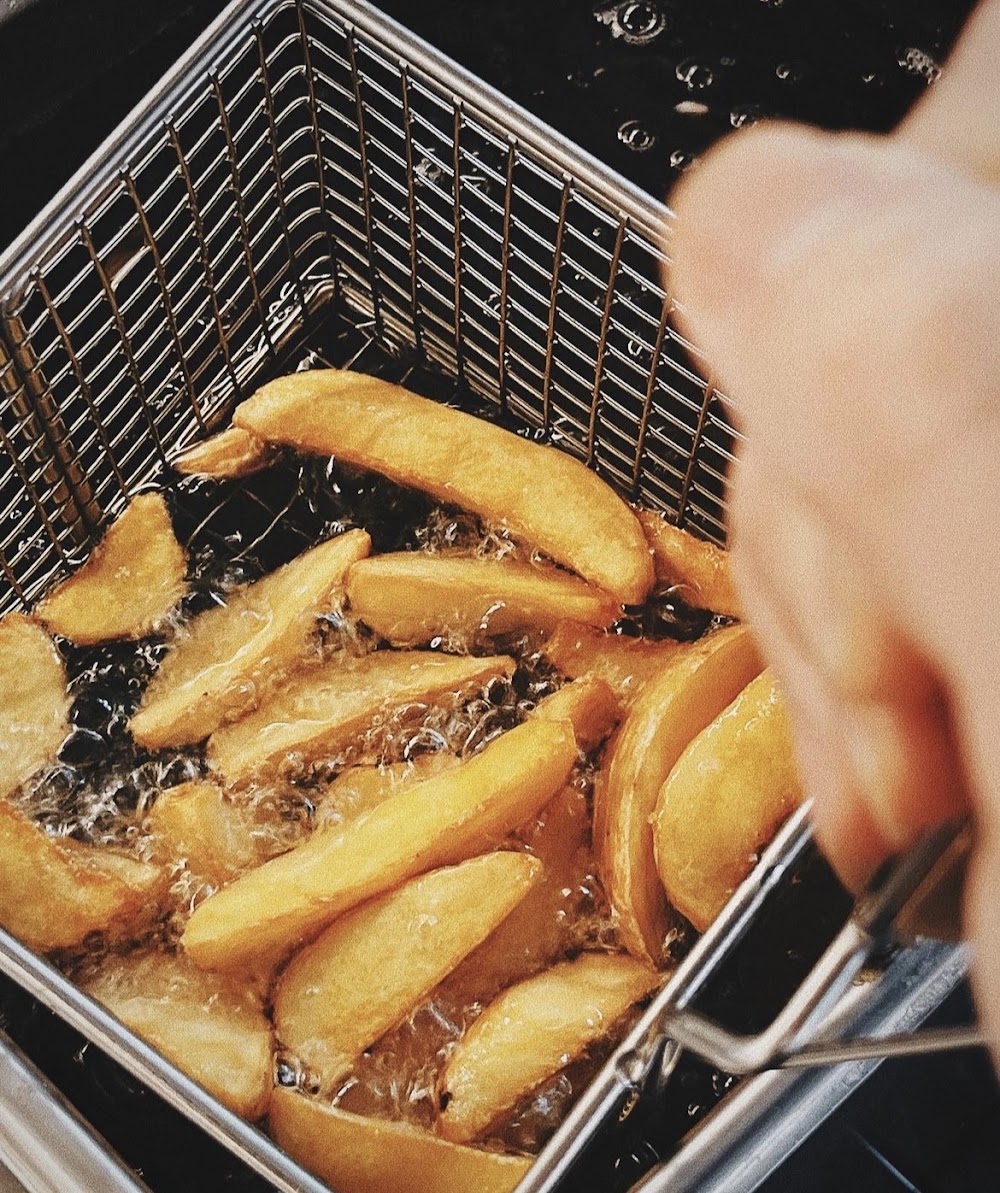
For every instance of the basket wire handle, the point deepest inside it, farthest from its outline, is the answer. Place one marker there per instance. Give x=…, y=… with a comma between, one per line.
x=920, y=887
x=45, y=1144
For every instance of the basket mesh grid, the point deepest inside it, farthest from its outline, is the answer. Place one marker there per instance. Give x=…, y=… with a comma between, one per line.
x=310, y=165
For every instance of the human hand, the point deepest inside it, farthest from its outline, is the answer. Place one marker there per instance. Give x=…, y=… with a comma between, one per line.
x=847, y=289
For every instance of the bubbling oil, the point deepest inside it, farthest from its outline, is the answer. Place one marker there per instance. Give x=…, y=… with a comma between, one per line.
x=102, y=786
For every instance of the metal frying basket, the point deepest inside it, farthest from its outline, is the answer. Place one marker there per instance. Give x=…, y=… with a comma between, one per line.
x=309, y=160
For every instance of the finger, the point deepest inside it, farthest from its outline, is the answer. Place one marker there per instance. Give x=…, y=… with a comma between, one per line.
x=845, y=828
x=847, y=663
x=744, y=206
x=806, y=273
x=959, y=118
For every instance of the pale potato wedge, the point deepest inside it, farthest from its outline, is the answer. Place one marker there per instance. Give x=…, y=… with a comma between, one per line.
x=724, y=799
x=34, y=700
x=215, y=836
x=372, y=966
x=625, y=663
x=441, y=821
x=589, y=705
x=356, y=1154
x=130, y=582
x=698, y=568
x=226, y=456
x=541, y=495
x=532, y=1031
x=693, y=688
x=232, y=656
x=411, y=597
x=322, y=711
x=360, y=788
x=541, y=927
x=55, y=892
x=210, y=1026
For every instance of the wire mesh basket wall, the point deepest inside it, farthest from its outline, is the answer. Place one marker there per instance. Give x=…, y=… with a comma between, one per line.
x=310, y=157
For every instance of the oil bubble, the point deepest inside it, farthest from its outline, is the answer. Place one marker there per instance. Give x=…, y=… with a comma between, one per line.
x=745, y=115
x=789, y=72
x=635, y=135
x=698, y=76
x=427, y=170
x=636, y=22
x=918, y=62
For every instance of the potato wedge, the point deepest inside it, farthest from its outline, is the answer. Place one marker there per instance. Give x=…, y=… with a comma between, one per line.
x=210, y=1026
x=215, y=836
x=693, y=688
x=34, y=701
x=225, y=456
x=232, y=656
x=625, y=663
x=532, y=1031
x=435, y=823
x=541, y=927
x=355, y=1154
x=322, y=711
x=411, y=597
x=700, y=569
x=372, y=966
x=130, y=582
x=360, y=788
x=724, y=799
x=541, y=495
x=54, y=892
x=589, y=705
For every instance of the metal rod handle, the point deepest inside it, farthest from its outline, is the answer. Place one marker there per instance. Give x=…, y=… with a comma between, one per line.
x=45, y=1143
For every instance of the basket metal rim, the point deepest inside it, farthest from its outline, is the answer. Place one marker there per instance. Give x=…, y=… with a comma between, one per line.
x=56, y=220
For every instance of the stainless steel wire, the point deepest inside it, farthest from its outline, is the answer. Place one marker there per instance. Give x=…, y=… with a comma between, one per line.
x=324, y=159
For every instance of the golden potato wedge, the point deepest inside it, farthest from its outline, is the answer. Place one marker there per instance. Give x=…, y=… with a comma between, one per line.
x=54, y=892
x=541, y=495
x=372, y=966
x=210, y=1026
x=34, y=701
x=435, y=823
x=625, y=663
x=541, y=927
x=356, y=1154
x=724, y=799
x=700, y=569
x=232, y=656
x=215, y=836
x=360, y=788
x=532, y=1031
x=225, y=456
x=323, y=710
x=692, y=689
x=130, y=582
x=411, y=597
x=589, y=705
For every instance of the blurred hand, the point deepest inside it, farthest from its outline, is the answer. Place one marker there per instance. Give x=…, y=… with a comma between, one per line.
x=847, y=290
